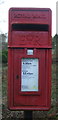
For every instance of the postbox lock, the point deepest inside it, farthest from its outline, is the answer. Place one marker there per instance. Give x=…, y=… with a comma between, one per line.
x=17, y=76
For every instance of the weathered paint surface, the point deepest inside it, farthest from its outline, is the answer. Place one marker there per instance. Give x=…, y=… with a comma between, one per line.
x=29, y=28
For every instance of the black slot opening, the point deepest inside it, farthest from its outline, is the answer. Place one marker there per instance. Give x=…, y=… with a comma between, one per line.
x=30, y=27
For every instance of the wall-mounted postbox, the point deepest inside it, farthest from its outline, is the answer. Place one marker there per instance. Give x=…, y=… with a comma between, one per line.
x=29, y=59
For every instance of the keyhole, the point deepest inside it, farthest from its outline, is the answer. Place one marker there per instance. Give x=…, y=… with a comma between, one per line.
x=17, y=76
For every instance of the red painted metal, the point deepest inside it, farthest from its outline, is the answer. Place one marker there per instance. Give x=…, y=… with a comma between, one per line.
x=29, y=28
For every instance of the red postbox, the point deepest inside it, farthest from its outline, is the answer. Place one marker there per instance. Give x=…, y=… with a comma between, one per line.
x=29, y=59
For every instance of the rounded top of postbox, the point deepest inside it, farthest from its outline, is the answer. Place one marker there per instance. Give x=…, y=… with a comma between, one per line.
x=30, y=15
x=28, y=9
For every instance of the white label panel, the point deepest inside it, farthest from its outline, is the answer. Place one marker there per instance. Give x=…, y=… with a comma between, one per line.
x=30, y=52
x=29, y=74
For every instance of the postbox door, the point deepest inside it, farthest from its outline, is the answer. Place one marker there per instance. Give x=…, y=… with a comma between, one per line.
x=39, y=97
